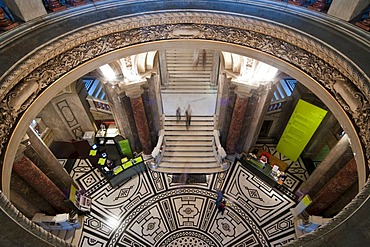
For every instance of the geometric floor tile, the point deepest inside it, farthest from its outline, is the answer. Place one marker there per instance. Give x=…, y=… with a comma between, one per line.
x=152, y=209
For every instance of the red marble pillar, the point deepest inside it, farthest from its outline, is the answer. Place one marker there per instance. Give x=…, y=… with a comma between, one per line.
x=141, y=124
x=333, y=190
x=26, y=169
x=237, y=119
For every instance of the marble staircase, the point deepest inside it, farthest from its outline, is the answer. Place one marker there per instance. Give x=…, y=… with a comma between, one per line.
x=189, y=150
x=192, y=149
x=185, y=75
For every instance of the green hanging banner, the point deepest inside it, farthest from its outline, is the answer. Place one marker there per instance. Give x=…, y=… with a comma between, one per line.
x=301, y=126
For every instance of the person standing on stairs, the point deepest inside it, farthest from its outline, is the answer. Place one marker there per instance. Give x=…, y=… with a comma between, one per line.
x=204, y=59
x=188, y=116
x=178, y=114
x=196, y=58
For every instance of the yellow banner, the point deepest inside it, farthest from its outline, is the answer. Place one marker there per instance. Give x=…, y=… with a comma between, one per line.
x=299, y=130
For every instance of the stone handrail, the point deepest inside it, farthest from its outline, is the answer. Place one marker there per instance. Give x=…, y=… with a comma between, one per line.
x=158, y=151
x=218, y=150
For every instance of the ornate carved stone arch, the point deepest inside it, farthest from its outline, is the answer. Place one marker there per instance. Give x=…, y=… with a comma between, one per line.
x=62, y=59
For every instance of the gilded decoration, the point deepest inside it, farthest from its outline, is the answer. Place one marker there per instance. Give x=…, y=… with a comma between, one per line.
x=57, y=58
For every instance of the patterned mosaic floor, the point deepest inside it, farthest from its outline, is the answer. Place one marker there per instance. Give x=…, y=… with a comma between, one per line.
x=153, y=210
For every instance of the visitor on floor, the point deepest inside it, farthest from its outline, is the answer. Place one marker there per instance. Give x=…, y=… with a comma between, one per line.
x=220, y=196
x=221, y=207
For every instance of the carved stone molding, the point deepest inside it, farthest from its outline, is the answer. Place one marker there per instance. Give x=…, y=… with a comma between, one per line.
x=49, y=63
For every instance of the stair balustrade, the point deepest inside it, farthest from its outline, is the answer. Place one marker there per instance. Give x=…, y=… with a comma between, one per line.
x=98, y=105
x=278, y=105
x=218, y=150
x=159, y=149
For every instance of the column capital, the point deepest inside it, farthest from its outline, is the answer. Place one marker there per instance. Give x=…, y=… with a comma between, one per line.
x=134, y=90
x=243, y=90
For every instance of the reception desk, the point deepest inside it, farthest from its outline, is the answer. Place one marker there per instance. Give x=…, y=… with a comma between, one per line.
x=260, y=170
x=126, y=174
x=128, y=169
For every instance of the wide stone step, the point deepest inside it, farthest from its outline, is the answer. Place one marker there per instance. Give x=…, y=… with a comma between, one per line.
x=186, y=169
x=182, y=86
x=190, y=144
x=193, y=159
x=184, y=58
x=189, y=138
x=182, y=127
x=194, y=118
x=189, y=75
x=187, y=88
x=189, y=79
x=189, y=91
x=188, y=165
x=182, y=123
x=192, y=149
x=189, y=70
x=195, y=153
x=190, y=132
x=188, y=84
x=207, y=67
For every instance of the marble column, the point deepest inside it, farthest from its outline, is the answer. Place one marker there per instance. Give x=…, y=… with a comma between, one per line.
x=22, y=9
x=225, y=105
x=21, y=203
x=151, y=109
x=162, y=59
x=119, y=112
x=52, y=162
x=257, y=117
x=342, y=201
x=215, y=67
x=347, y=10
x=140, y=119
x=321, y=137
x=334, y=161
x=236, y=124
x=41, y=183
x=21, y=189
x=333, y=190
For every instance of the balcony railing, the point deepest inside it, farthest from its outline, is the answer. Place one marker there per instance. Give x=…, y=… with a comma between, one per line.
x=98, y=105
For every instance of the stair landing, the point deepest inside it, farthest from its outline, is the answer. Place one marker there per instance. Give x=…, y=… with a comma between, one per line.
x=189, y=150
